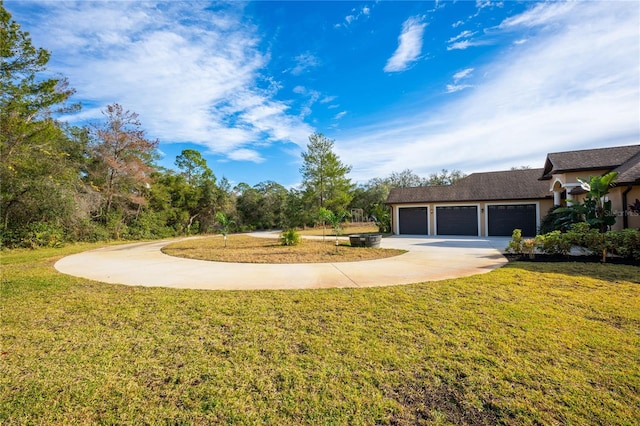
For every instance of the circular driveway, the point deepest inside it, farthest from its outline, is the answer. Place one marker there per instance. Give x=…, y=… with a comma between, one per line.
x=427, y=259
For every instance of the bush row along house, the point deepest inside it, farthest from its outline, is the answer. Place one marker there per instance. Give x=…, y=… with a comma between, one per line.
x=496, y=203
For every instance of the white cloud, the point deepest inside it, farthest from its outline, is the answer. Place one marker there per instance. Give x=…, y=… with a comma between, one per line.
x=192, y=79
x=327, y=99
x=481, y=4
x=462, y=74
x=409, y=45
x=451, y=88
x=463, y=41
x=246, y=155
x=304, y=62
x=355, y=15
x=312, y=97
x=574, y=85
x=540, y=15
x=465, y=44
x=464, y=34
x=339, y=115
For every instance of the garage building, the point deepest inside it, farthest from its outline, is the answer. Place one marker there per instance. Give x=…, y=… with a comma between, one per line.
x=496, y=203
x=481, y=204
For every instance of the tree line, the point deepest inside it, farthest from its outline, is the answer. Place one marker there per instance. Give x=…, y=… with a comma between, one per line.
x=97, y=182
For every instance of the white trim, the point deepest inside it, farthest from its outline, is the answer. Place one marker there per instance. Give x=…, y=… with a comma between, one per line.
x=569, y=186
x=397, y=207
x=557, y=180
x=557, y=193
x=510, y=203
x=435, y=215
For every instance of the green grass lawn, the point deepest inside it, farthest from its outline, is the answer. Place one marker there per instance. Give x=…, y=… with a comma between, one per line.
x=524, y=344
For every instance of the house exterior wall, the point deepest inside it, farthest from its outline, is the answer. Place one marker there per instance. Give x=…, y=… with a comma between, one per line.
x=633, y=218
x=616, y=195
x=572, y=177
x=542, y=207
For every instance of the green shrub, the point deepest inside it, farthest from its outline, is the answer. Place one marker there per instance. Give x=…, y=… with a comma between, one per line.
x=86, y=230
x=598, y=243
x=116, y=225
x=519, y=245
x=577, y=232
x=149, y=225
x=290, y=237
x=383, y=218
x=515, y=245
x=10, y=238
x=625, y=243
x=559, y=219
x=554, y=243
x=529, y=246
x=42, y=234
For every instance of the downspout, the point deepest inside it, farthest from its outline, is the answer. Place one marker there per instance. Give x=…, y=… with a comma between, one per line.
x=625, y=207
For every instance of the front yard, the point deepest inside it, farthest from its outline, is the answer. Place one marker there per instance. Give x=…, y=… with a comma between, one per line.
x=524, y=344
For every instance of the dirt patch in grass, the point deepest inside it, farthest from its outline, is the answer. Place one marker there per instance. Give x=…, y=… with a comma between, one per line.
x=246, y=249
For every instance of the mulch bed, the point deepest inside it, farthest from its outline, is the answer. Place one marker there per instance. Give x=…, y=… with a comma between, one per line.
x=569, y=258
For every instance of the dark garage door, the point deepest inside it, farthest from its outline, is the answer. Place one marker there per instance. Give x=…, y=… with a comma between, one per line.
x=503, y=219
x=457, y=220
x=413, y=220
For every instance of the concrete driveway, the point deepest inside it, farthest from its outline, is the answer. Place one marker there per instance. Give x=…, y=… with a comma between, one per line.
x=427, y=259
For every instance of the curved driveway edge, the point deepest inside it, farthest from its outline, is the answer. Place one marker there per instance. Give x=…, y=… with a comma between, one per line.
x=427, y=259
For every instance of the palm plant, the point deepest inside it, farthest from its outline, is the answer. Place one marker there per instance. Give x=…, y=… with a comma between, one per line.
x=225, y=225
x=335, y=219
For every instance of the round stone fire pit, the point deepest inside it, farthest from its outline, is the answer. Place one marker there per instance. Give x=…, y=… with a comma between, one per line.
x=365, y=240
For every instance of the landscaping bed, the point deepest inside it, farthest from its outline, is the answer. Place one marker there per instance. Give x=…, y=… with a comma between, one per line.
x=585, y=258
x=580, y=244
x=246, y=249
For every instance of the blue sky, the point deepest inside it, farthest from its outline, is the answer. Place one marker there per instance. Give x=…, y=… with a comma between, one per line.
x=473, y=86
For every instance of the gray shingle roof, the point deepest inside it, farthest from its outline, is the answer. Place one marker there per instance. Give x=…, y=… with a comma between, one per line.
x=589, y=159
x=526, y=184
x=491, y=186
x=629, y=172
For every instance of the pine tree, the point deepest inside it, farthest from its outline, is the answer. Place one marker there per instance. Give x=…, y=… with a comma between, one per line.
x=37, y=170
x=325, y=182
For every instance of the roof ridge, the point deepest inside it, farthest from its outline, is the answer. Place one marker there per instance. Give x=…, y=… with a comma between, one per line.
x=595, y=149
x=508, y=171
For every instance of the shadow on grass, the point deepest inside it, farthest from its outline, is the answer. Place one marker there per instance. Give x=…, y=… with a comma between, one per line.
x=601, y=271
